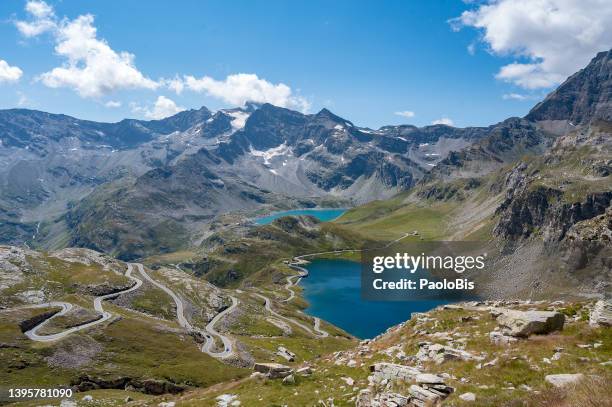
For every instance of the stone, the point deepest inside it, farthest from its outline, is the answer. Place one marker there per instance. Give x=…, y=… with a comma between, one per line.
x=304, y=371
x=428, y=378
x=273, y=370
x=498, y=338
x=348, y=380
x=525, y=323
x=468, y=396
x=226, y=400
x=285, y=354
x=31, y=296
x=490, y=363
x=167, y=404
x=391, y=372
x=87, y=398
x=564, y=379
x=367, y=399
x=440, y=353
x=289, y=380
x=601, y=315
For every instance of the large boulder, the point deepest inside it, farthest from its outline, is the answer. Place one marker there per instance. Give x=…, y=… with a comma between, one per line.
x=601, y=315
x=524, y=323
x=428, y=395
x=564, y=379
x=273, y=370
x=391, y=372
x=441, y=353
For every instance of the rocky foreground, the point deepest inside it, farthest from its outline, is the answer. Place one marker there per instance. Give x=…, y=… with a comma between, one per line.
x=511, y=353
x=479, y=354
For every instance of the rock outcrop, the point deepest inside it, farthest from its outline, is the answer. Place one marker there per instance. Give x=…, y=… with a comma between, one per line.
x=273, y=370
x=525, y=323
x=601, y=315
x=564, y=379
x=440, y=353
x=391, y=372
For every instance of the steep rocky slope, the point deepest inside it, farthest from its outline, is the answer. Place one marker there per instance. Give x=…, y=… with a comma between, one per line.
x=583, y=97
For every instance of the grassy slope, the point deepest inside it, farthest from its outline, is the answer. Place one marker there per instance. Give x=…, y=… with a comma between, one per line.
x=134, y=345
x=520, y=364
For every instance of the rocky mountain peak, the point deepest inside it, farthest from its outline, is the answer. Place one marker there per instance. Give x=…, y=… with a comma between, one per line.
x=583, y=97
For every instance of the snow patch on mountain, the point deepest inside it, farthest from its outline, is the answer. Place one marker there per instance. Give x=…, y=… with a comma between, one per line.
x=239, y=119
x=267, y=155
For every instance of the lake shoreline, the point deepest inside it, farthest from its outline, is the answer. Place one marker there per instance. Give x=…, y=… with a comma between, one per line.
x=333, y=291
x=322, y=214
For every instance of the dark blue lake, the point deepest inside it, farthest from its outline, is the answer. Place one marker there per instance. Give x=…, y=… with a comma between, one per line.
x=333, y=289
x=323, y=214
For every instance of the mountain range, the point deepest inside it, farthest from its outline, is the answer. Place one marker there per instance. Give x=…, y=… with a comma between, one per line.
x=136, y=188
x=131, y=269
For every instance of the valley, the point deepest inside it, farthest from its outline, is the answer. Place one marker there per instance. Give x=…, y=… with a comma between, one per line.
x=177, y=261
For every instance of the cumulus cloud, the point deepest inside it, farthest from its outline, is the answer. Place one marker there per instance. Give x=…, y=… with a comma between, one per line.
x=551, y=39
x=175, y=84
x=444, y=120
x=237, y=89
x=42, y=19
x=162, y=108
x=92, y=68
x=405, y=113
x=9, y=73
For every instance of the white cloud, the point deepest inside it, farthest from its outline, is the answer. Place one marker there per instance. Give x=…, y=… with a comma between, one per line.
x=554, y=38
x=237, y=89
x=112, y=104
x=515, y=96
x=444, y=120
x=175, y=84
x=162, y=108
x=92, y=68
x=405, y=113
x=43, y=19
x=9, y=73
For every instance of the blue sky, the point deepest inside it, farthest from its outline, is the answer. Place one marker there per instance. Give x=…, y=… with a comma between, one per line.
x=364, y=60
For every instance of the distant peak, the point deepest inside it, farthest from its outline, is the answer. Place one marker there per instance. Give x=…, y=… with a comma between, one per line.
x=325, y=113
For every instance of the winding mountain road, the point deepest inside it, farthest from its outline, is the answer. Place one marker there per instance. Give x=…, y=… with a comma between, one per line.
x=66, y=307
x=180, y=309
x=317, y=330
x=210, y=332
x=210, y=329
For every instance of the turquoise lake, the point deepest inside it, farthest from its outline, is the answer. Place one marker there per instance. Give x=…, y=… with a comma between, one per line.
x=333, y=290
x=323, y=214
